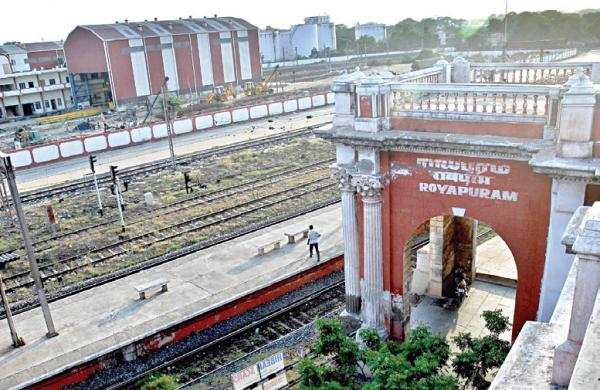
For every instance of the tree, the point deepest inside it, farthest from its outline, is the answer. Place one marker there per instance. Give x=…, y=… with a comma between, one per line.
x=420, y=362
x=344, y=36
x=479, y=356
x=314, y=53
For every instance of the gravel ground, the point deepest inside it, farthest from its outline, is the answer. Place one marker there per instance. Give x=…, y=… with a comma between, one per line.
x=124, y=370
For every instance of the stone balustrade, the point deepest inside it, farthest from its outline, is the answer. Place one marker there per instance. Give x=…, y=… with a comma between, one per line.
x=434, y=74
x=522, y=103
x=527, y=73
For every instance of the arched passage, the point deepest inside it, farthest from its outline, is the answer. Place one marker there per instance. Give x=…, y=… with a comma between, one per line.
x=521, y=219
x=446, y=249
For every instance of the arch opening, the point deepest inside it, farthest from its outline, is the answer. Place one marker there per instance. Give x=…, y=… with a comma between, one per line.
x=441, y=252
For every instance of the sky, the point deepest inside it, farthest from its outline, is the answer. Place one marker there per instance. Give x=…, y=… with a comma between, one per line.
x=36, y=20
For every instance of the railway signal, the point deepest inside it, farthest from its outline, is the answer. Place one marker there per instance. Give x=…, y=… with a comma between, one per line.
x=187, y=180
x=93, y=169
x=8, y=170
x=118, y=194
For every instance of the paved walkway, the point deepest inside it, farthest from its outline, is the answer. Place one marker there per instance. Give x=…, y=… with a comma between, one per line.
x=106, y=317
x=493, y=258
x=192, y=142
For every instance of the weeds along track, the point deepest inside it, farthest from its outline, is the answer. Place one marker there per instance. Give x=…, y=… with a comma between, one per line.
x=86, y=184
x=211, y=215
x=194, y=363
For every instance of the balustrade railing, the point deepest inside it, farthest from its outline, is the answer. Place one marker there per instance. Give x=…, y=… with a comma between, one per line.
x=427, y=75
x=521, y=103
x=527, y=73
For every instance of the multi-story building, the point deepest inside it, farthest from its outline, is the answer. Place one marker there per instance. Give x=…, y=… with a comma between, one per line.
x=375, y=30
x=127, y=62
x=33, y=80
x=317, y=33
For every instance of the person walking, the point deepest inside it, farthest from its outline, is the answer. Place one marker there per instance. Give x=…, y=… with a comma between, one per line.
x=313, y=242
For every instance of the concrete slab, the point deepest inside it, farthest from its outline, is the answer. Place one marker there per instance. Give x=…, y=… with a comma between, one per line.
x=495, y=258
x=467, y=318
x=105, y=317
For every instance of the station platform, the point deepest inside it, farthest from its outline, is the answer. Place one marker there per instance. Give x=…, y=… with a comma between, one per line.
x=110, y=316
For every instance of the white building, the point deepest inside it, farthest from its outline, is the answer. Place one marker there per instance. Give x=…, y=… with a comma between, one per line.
x=375, y=30
x=34, y=92
x=317, y=32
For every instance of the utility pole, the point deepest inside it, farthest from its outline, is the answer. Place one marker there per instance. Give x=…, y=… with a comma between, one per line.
x=7, y=168
x=17, y=341
x=5, y=202
x=168, y=124
x=506, y=31
x=93, y=168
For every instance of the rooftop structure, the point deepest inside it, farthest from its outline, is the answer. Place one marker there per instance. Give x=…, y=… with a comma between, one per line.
x=24, y=57
x=317, y=33
x=374, y=30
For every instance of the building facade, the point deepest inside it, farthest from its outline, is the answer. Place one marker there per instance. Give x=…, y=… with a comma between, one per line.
x=33, y=80
x=317, y=32
x=375, y=30
x=127, y=62
x=30, y=56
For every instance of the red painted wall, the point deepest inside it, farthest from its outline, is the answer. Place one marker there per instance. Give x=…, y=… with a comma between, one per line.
x=254, y=54
x=216, y=58
x=155, y=64
x=45, y=54
x=196, y=60
x=84, y=52
x=183, y=59
x=122, y=70
x=522, y=224
x=520, y=130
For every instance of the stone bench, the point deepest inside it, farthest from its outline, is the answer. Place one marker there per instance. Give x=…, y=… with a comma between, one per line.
x=292, y=236
x=270, y=245
x=152, y=286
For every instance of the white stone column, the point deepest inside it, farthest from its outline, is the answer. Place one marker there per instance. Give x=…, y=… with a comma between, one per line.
x=587, y=283
x=370, y=187
x=350, y=234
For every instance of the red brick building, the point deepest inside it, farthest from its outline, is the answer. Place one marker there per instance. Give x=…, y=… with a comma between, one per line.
x=129, y=61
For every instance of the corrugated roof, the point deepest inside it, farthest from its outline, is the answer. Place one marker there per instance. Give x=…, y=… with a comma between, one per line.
x=42, y=46
x=147, y=29
x=12, y=49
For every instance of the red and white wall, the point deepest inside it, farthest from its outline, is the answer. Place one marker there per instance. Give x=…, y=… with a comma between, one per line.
x=98, y=143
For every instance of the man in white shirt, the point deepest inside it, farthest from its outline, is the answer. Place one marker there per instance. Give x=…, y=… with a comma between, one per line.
x=313, y=242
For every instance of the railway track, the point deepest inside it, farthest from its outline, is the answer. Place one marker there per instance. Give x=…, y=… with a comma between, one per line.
x=121, y=248
x=249, y=338
x=86, y=184
x=191, y=201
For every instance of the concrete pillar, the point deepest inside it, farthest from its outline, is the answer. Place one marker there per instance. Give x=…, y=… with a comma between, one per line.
x=566, y=197
x=436, y=256
x=577, y=118
x=587, y=282
x=446, y=71
x=465, y=246
x=596, y=72
x=343, y=88
x=350, y=234
x=372, y=313
x=461, y=70
x=372, y=105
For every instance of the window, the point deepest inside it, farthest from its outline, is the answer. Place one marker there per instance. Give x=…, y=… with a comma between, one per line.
x=67, y=79
x=52, y=82
x=58, y=101
x=47, y=103
x=38, y=106
x=30, y=84
x=22, y=85
x=12, y=62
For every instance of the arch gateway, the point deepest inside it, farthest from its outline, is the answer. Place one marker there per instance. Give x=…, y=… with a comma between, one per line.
x=516, y=146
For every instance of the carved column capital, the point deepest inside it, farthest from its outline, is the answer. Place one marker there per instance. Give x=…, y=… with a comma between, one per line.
x=343, y=176
x=369, y=186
